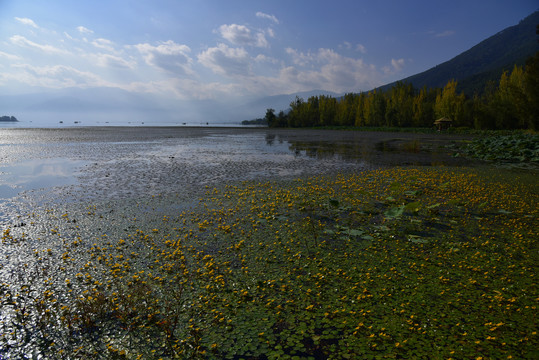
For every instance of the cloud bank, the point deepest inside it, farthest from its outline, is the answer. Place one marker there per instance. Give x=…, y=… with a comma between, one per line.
x=246, y=59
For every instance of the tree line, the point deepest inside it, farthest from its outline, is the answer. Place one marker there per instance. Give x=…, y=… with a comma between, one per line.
x=510, y=103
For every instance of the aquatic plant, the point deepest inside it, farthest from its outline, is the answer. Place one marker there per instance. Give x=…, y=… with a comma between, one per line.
x=398, y=263
x=519, y=148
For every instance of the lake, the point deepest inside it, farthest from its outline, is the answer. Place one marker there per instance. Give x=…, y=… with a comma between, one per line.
x=65, y=193
x=122, y=162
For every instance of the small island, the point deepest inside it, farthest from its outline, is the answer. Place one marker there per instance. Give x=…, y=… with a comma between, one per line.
x=8, y=118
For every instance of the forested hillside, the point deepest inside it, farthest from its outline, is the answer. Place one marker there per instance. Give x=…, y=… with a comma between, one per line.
x=510, y=103
x=494, y=85
x=484, y=62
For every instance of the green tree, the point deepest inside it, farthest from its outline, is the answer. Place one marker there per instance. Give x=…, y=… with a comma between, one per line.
x=375, y=108
x=312, y=112
x=296, y=114
x=400, y=105
x=423, y=108
x=509, y=103
x=531, y=87
x=450, y=104
x=346, y=110
x=328, y=110
x=270, y=118
x=360, y=110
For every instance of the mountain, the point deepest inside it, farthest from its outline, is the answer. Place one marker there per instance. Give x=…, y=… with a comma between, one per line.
x=485, y=61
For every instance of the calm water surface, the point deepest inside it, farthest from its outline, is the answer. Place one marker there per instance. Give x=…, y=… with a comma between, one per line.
x=61, y=187
x=122, y=161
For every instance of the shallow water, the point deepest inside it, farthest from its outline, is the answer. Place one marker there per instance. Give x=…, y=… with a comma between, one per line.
x=73, y=188
x=37, y=174
x=56, y=165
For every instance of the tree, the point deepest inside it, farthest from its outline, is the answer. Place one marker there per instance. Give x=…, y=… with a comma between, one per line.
x=271, y=118
x=312, y=112
x=423, y=108
x=328, y=109
x=375, y=108
x=360, y=110
x=531, y=86
x=400, y=104
x=509, y=103
x=450, y=104
x=295, y=114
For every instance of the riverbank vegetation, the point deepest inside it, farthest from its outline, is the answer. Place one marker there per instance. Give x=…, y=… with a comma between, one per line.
x=511, y=103
x=395, y=263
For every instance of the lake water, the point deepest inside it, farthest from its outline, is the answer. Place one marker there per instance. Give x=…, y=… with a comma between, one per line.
x=105, y=162
x=71, y=188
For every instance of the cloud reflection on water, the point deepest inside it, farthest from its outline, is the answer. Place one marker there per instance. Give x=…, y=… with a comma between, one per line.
x=36, y=174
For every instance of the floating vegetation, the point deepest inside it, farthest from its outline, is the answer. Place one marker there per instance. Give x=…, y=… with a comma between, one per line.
x=399, y=263
x=520, y=148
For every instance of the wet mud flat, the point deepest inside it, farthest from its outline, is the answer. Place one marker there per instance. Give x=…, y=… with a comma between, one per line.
x=112, y=182
x=86, y=183
x=116, y=163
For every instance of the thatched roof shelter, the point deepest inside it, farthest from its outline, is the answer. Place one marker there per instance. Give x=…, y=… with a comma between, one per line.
x=443, y=123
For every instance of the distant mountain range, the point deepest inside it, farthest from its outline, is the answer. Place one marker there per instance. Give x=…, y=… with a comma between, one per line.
x=485, y=61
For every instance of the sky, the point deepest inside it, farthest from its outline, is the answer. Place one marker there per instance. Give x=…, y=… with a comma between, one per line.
x=227, y=50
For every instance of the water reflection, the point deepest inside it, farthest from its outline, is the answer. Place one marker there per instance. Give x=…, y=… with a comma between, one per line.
x=37, y=174
x=377, y=149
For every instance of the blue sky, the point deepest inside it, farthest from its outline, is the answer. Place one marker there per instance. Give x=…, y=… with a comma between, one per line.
x=217, y=49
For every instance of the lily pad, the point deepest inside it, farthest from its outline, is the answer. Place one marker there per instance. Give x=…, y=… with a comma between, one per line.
x=394, y=211
x=417, y=240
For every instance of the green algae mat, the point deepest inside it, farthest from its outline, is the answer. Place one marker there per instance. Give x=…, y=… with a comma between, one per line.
x=397, y=263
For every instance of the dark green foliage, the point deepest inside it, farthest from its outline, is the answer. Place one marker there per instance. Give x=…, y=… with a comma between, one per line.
x=516, y=148
x=511, y=103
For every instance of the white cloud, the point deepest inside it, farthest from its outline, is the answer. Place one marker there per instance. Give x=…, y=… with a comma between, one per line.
x=242, y=35
x=103, y=44
x=300, y=58
x=348, y=46
x=185, y=89
x=58, y=76
x=345, y=45
x=395, y=67
x=267, y=16
x=445, y=33
x=9, y=56
x=112, y=61
x=326, y=69
x=263, y=58
x=27, y=21
x=84, y=30
x=226, y=61
x=24, y=42
x=397, y=64
x=361, y=48
x=168, y=56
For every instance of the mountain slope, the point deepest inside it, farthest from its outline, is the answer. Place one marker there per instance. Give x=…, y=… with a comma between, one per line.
x=485, y=61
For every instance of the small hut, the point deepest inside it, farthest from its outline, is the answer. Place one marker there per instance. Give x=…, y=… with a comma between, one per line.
x=443, y=123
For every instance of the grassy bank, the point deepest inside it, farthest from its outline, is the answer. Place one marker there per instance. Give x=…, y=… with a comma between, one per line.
x=399, y=263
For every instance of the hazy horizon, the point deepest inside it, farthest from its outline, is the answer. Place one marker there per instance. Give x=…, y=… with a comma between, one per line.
x=220, y=61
